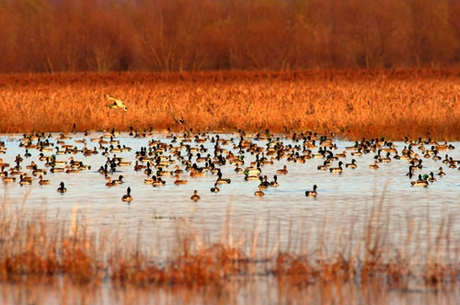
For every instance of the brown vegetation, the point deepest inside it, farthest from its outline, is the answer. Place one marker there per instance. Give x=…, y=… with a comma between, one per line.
x=34, y=250
x=351, y=104
x=192, y=35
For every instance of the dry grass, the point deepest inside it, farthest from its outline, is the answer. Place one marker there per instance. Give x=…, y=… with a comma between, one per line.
x=351, y=104
x=41, y=250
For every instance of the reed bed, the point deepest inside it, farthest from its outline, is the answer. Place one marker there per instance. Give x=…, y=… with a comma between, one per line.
x=350, y=104
x=40, y=250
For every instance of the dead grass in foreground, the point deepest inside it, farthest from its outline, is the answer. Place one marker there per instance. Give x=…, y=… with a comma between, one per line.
x=351, y=104
x=40, y=250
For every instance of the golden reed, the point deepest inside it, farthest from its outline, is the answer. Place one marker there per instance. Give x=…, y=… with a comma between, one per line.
x=350, y=104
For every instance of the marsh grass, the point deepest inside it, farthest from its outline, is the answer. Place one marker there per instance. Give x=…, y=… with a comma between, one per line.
x=41, y=250
x=352, y=104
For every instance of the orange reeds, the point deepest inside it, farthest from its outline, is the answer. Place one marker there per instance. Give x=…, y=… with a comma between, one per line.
x=208, y=267
x=350, y=104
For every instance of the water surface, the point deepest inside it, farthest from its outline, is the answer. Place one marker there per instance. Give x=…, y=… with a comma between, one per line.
x=343, y=197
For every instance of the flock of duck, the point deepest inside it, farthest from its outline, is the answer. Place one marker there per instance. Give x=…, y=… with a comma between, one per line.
x=191, y=154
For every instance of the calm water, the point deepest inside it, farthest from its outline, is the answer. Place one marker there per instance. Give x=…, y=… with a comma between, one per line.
x=343, y=197
x=254, y=292
x=284, y=216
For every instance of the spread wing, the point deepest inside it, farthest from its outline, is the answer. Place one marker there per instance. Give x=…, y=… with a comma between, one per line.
x=117, y=103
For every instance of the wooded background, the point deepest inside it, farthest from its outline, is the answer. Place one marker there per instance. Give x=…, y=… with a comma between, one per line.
x=193, y=35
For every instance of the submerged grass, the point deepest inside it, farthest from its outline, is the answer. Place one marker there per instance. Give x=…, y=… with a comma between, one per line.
x=353, y=104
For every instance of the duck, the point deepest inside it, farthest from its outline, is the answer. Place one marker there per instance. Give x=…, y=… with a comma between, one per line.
x=7, y=178
x=248, y=177
x=124, y=163
x=119, y=180
x=113, y=149
x=148, y=171
x=215, y=189
x=352, y=164
x=441, y=172
x=3, y=164
x=341, y=155
x=410, y=173
x=436, y=157
x=84, y=166
x=259, y=192
x=177, y=170
x=59, y=152
x=117, y=104
x=197, y=173
x=70, y=170
x=446, y=159
x=25, y=180
x=148, y=180
x=274, y=183
x=312, y=193
x=86, y=151
x=27, y=154
x=375, y=165
x=386, y=159
x=15, y=171
x=109, y=182
x=263, y=182
x=417, y=166
x=31, y=166
x=323, y=166
x=180, y=181
x=53, y=161
x=221, y=180
x=252, y=171
x=158, y=181
x=42, y=181
x=337, y=169
x=127, y=197
x=195, y=197
x=282, y=171
x=420, y=181
x=57, y=169
x=38, y=171
x=431, y=178
x=61, y=188
x=138, y=167
x=42, y=157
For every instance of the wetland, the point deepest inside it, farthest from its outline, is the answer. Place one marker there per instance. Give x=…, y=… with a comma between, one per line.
x=373, y=233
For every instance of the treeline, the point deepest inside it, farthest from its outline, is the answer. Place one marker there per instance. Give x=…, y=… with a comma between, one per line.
x=193, y=35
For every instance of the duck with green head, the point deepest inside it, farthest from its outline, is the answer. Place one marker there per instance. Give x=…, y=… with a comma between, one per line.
x=421, y=181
